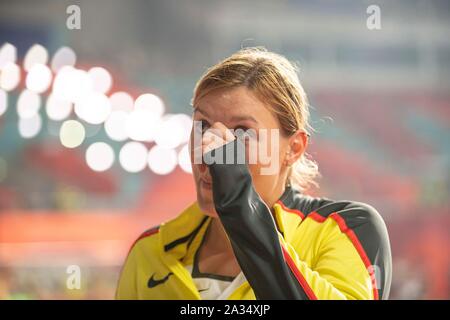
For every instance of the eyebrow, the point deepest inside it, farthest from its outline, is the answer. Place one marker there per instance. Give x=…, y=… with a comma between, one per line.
x=201, y=111
x=235, y=118
x=243, y=118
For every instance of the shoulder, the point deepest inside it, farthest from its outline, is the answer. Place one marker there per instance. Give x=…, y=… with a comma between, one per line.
x=145, y=238
x=354, y=213
x=366, y=229
x=361, y=222
x=350, y=216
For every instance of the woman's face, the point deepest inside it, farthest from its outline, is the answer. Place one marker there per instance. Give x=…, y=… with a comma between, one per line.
x=239, y=108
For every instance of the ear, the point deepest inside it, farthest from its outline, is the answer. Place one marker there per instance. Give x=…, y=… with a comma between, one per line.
x=298, y=143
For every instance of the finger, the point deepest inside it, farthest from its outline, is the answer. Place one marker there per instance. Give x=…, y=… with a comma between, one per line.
x=208, y=148
x=209, y=136
x=217, y=143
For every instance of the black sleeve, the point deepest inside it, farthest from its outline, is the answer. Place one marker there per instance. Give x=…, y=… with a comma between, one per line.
x=251, y=229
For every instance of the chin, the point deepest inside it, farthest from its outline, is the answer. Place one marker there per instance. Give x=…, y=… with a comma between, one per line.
x=205, y=199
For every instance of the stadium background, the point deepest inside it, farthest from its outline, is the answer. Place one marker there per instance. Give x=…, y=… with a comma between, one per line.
x=380, y=106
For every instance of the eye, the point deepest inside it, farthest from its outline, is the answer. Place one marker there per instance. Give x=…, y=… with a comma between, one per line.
x=243, y=128
x=244, y=133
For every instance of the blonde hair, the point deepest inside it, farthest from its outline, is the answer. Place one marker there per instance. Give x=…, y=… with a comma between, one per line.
x=274, y=79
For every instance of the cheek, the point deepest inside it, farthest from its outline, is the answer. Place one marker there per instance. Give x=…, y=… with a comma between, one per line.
x=263, y=183
x=267, y=152
x=269, y=165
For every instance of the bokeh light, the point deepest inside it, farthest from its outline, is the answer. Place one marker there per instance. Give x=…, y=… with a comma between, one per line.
x=133, y=156
x=173, y=130
x=95, y=108
x=99, y=156
x=121, y=101
x=64, y=56
x=36, y=54
x=9, y=76
x=72, y=84
x=184, y=160
x=57, y=109
x=8, y=53
x=151, y=102
x=115, y=125
x=30, y=127
x=101, y=79
x=143, y=120
x=141, y=125
x=28, y=104
x=162, y=161
x=39, y=78
x=71, y=134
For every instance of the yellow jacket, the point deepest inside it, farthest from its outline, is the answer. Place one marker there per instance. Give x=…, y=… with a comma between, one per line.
x=325, y=254
x=304, y=248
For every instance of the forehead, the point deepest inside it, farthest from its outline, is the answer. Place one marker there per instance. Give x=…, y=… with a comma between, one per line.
x=226, y=104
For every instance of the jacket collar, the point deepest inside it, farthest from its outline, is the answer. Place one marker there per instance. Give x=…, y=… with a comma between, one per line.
x=182, y=235
x=178, y=234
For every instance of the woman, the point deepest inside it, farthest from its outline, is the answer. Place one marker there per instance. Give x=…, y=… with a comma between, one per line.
x=253, y=233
